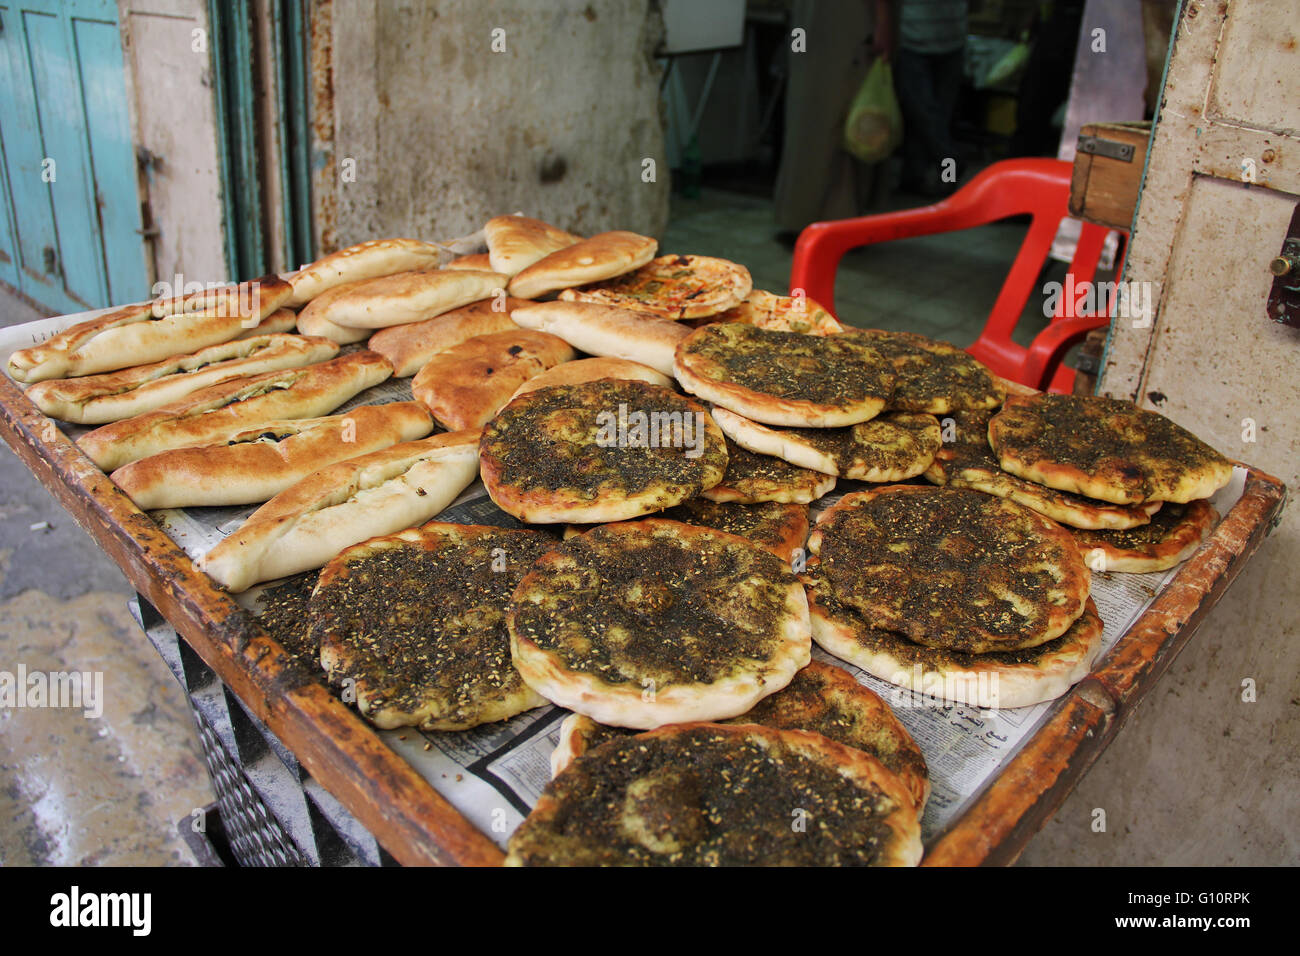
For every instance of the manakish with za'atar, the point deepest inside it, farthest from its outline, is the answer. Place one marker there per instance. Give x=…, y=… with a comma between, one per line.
x=952, y=568
x=1104, y=448
x=784, y=378
x=711, y=795
x=599, y=451
x=643, y=623
x=1008, y=678
x=822, y=699
x=417, y=620
x=965, y=460
x=891, y=447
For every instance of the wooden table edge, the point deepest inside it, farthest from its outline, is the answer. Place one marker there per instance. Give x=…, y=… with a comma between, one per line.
x=406, y=815
x=1035, y=782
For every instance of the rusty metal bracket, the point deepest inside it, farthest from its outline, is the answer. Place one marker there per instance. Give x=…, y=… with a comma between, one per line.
x=1109, y=148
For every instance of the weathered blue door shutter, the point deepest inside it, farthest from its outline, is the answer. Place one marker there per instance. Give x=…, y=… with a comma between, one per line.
x=71, y=236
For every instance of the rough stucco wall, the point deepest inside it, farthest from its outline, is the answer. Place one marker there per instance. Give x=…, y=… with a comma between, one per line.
x=447, y=133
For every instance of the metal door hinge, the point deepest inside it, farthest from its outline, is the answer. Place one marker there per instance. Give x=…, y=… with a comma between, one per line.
x=1109, y=148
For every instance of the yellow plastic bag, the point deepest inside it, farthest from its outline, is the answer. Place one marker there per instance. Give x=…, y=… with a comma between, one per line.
x=874, y=126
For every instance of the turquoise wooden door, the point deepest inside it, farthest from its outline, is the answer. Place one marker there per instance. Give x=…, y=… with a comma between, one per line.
x=70, y=232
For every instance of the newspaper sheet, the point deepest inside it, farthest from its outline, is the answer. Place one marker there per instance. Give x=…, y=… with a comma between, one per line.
x=494, y=774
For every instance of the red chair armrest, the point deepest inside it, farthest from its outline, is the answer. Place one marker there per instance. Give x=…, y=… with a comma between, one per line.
x=1050, y=345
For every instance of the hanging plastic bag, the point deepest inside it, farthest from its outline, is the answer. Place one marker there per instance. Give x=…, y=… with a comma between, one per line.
x=874, y=126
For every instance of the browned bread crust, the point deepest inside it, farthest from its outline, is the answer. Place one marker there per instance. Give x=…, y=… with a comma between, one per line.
x=466, y=385
x=603, y=256
x=255, y=465
x=214, y=414
x=151, y=331
x=409, y=347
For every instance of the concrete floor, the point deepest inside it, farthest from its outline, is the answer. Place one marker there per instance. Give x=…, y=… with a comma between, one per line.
x=74, y=790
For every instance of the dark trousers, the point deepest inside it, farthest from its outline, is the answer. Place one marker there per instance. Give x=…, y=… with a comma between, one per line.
x=927, y=85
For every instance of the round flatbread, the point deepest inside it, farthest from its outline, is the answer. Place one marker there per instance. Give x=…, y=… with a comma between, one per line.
x=1175, y=531
x=822, y=699
x=672, y=287
x=593, y=370
x=645, y=623
x=951, y=568
x=781, y=313
x=603, y=256
x=931, y=376
x=752, y=478
x=784, y=378
x=966, y=461
x=467, y=384
x=780, y=528
x=1104, y=448
x=600, y=451
x=894, y=446
x=710, y=795
x=417, y=621
x=997, y=679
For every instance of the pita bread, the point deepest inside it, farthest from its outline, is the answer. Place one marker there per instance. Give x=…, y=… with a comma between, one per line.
x=304, y=526
x=603, y=256
x=151, y=331
x=516, y=242
x=410, y=346
x=593, y=370
x=409, y=297
x=781, y=313
x=212, y=415
x=606, y=331
x=255, y=465
x=112, y=396
x=365, y=260
x=312, y=320
x=281, y=320
x=466, y=385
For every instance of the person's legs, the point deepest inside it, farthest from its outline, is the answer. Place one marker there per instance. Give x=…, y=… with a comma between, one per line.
x=914, y=85
x=816, y=174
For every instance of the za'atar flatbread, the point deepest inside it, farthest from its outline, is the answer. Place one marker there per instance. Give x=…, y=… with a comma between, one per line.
x=643, y=623
x=1105, y=448
x=784, y=378
x=672, y=287
x=711, y=795
x=950, y=568
x=600, y=451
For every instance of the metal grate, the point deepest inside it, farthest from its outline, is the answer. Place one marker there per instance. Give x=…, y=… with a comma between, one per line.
x=255, y=836
x=272, y=813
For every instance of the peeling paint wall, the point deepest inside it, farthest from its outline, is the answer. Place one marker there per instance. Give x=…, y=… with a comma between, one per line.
x=173, y=117
x=448, y=113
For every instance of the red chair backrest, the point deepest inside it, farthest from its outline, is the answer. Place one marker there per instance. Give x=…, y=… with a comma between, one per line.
x=1039, y=188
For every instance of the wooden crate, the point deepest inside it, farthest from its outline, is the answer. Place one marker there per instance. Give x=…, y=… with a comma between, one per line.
x=1108, y=172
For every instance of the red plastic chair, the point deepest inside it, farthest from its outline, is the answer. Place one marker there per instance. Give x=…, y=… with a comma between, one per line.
x=1013, y=187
